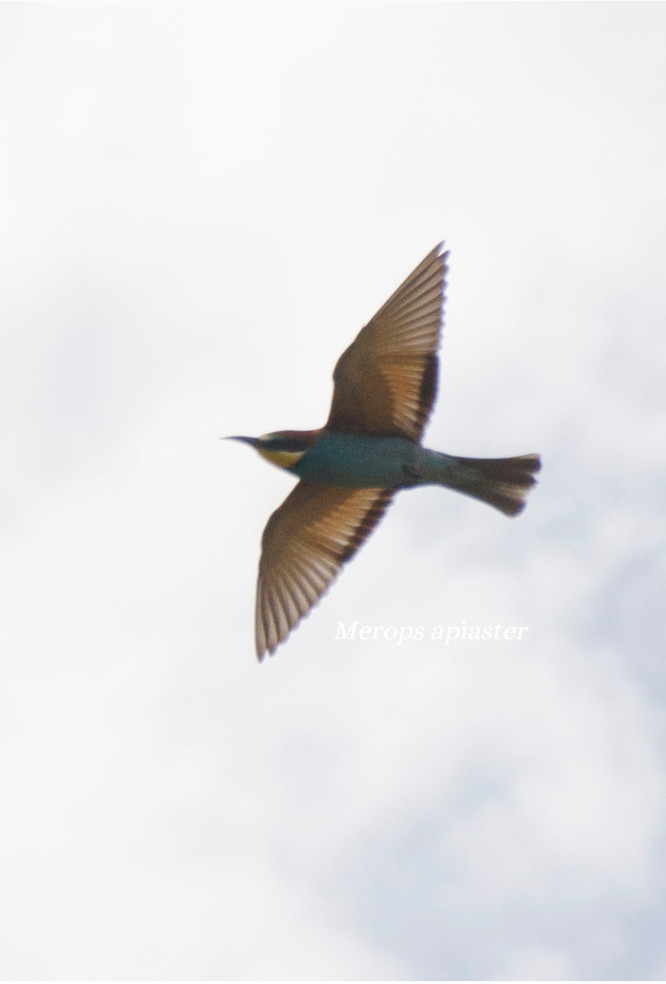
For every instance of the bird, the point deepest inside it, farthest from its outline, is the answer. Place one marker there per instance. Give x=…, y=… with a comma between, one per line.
x=384, y=389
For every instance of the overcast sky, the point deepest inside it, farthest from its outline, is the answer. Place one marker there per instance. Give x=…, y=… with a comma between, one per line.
x=199, y=208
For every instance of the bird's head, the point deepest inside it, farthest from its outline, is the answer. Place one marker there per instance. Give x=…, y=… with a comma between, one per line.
x=282, y=448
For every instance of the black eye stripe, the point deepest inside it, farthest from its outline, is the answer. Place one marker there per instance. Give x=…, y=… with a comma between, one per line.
x=284, y=444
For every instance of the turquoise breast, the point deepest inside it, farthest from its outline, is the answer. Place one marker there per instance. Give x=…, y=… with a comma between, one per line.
x=359, y=461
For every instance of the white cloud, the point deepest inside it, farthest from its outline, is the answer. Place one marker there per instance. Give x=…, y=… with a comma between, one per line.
x=201, y=207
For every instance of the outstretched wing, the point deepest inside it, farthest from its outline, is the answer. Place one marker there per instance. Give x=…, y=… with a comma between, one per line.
x=307, y=540
x=386, y=381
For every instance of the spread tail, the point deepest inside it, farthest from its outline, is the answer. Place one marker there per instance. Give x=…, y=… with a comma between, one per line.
x=501, y=482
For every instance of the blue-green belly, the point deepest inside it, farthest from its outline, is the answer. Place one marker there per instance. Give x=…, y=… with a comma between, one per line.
x=359, y=461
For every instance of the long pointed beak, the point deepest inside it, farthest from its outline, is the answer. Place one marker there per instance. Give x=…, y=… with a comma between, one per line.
x=252, y=441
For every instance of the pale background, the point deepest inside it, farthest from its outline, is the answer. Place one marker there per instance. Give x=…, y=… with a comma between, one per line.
x=199, y=208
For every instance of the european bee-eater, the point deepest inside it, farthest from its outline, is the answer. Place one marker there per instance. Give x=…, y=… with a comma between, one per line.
x=384, y=389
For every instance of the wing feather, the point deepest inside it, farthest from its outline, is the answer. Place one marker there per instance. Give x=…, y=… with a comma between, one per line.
x=386, y=381
x=315, y=531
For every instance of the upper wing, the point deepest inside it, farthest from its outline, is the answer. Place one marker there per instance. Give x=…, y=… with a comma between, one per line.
x=386, y=381
x=314, y=532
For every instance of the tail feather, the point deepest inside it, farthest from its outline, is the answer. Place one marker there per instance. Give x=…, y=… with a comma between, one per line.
x=501, y=482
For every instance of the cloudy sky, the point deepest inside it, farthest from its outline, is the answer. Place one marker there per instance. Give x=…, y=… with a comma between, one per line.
x=199, y=208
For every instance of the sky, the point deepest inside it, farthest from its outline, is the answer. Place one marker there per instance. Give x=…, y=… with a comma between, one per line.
x=200, y=206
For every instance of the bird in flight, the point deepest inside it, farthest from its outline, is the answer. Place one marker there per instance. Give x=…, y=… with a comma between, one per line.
x=385, y=385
